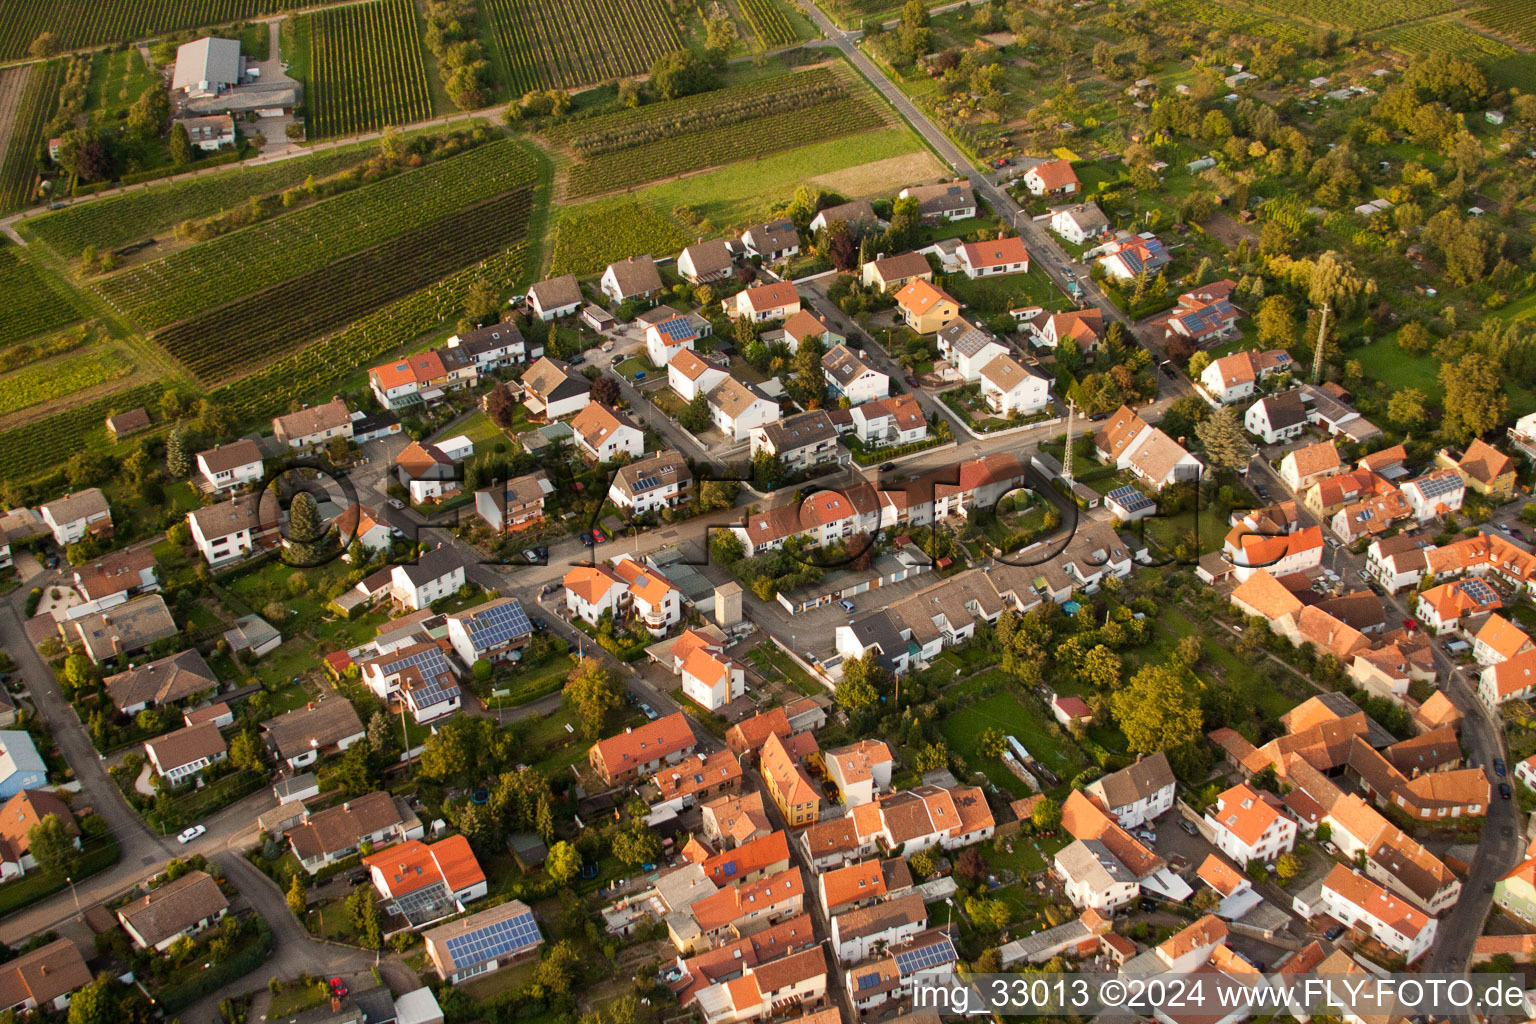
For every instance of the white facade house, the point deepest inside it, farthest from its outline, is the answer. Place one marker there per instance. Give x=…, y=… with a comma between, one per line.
x=895, y=420
x=1079, y=223
x=689, y=374
x=73, y=515
x=1275, y=419
x=710, y=679
x=1246, y=827
x=656, y=603
x=850, y=377
x=229, y=466
x=1237, y=376
x=592, y=590
x=1136, y=794
x=968, y=347
x=1435, y=494
x=1512, y=679
x=603, y=434
x=665, y=338
x=232, y=529
x=554, y=297
x=633, y=279
x=1013, y=389
x=736, y=409
x=1093, y=878
x=995, y=258
x=1357, y=902
x=661, y=481
x=437, y=574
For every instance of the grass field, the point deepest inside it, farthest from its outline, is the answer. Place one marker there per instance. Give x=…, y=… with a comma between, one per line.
x=55, y=378
x=365, y=68
x=1006, y=712
x=588, y=239
x=542, y=44
x=117, y=79
x=1388, y=369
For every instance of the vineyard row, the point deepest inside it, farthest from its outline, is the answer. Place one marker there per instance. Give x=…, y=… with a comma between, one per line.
x=366, y=68
x=565, y=43
x=81, y=23
x=38, y=101
x=30, y=306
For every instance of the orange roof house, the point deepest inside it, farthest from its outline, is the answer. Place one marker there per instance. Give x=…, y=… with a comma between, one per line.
x=788, y=784
x=748, y=735
x=448, y=865
x=644, y=749
x=925, y=307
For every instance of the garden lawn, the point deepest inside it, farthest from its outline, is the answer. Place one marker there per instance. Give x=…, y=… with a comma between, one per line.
x=479, y=429
x=1006, y=712
x=994, y=296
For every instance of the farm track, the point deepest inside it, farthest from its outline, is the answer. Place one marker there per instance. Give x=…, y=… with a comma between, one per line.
x=13, y=83
x=39, y=99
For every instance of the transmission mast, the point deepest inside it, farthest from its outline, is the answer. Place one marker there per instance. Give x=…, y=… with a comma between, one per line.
x=1317, y=357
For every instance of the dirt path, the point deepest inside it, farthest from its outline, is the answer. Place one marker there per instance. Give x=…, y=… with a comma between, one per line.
x=13, y=82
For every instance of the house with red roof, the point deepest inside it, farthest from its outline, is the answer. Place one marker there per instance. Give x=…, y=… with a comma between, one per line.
x=1499, y=640
x=1247, y=825
x=1070, y=711
x=1444, y=608
x=1377, y=915
x=1051, y=178
x=423, y=883
x=643, y=750
x=760, y=302
x=994, y=258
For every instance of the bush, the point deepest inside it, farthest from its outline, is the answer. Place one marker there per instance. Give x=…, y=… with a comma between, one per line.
x=252, y=951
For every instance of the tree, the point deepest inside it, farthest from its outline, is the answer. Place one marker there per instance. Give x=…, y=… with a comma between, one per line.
x=179, y=145
x=681, y=73
x=913, y=34
x=559, y=969
x=991, y=743
x=53, y=847
x=1205, y=900
x=366, y=917
x=149, y=113
x=1475, y=400
x=1414, y=338
x=1222, y=437
x=95, y=1003
x=636, y=845
x=245, y=752
x=1288, y=866
x=563, y=862
x=306, y=532
x=176, y=455
x=605, y=391
x=906, y=221
x=298, y=895
x=695, y=419
x=1408, y=408
x=1157, y=710
x=862, y=680
x=923, y=863
x=592, y=691
x=1101, y=668
x=1047, y=814
x=1277, y=322
x=45, y=45
x=380, y=733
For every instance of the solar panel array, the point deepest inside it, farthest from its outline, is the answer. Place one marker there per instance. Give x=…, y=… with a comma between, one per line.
x=1130, y=498
x=494, y=940
x=869, y=980
x=430, y=661
x=645, y=483
x=676, y=329
x=434, y=691
x=1479, y=591
x=913, y=960
x=498, y=624
x=1437, y=485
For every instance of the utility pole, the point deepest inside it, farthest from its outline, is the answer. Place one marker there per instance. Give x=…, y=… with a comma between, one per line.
x=1066, y=455
x=1317, y=357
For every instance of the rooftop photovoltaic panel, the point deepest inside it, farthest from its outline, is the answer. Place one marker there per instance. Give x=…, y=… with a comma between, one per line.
x=869, y=980
x=494, y=940
x=1478, y=591
x=431, y=662
x=645, y=483
x=434, y=691
x=1130, y=499
x=1435, y=486
x=913, y=960
x=494, y=625
x=675, y=329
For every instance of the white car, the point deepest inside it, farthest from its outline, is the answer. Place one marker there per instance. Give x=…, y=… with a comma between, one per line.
x=187, y=835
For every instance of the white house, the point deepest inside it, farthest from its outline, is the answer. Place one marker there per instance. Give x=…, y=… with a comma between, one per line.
x=1051, y=178
x=492, y=632
x=994, y=258
x=73, y=515
x=1130, y=443
x=437, y=574
x=1275, y=419
x=313, y=426
x=1303, y=467
x=705, y=261
x=736, y=409
x=710, y=679
x=1012, y=389
x=850, y=377
x=602, y=434
x=45, y=977
x=554, y=297
x=233, y=528
x=775, y=301
x=968, y=347
x=1129, y=259
x=179, y=755
x=775, y=240
x=1247, y=825
x=689, y=374
x=551, y=390
x=1079, y=223
x=1434, y=494
x=1499, y=640
x=420, y=676
x=230, y=465
x=1136, y=794
x=1235, y=377
x=632, y=279
x=666, y=337
x=648, y=485
x=857, y=934
x=591, y=590
x=1513, y=679
x=656, y=603
x=1093, y=877
x=492, y=346
x=860, y=771
x=1356, y=902
x=895, y=420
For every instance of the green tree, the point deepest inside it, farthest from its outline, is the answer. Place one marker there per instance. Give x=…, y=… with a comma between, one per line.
x=1276, y=321
x=863, y=678
x=1414, y=338
x=560, y=968
x=1101, y=668
x=1288, y=866
x=366, y=916
x=1408, y=408
x=592, y=691
x=53, y=846
x=1223, y=441
x=913, y=34
x=179, y=146
x=563, y=862
x=298, y=895
x=1475, y=400
x=991, y=743
x=681, y=73
x=636, y=845
x=1047, y=814
x=1157, y=710
x=149, y=113
x=245, y=751
x=176, y=465
x=695, y=419
x=306, y=532
x=95, y=1003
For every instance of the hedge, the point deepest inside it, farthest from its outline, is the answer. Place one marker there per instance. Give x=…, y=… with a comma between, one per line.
x=175, y=998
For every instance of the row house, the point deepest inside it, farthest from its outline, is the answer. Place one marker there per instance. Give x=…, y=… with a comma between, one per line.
x=1302, y=468
x=643, y=750
x=858, y=934
x=799, y=442
x=684, y=785
x=765, y=991
x=892, y=978
x=422, y=378
x=1376, y=914
x=739, y=910
x=1282, y=555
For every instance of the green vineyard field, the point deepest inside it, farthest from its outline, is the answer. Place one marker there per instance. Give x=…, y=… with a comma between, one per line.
x=223, y=342
x=1505, y=65
x=30, y=306
x=365, y=68
x=546, y=44
x=39, y=99
x=47, y=381
x=229, y=266
x=589, y=240
x=769, y=23
x=80, y=23
x=30, y=449
x=1516, y=18
x=1362, y=16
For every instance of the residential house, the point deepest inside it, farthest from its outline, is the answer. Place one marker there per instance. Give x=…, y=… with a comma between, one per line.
x=705, y=262
x=685, y=785
x=858, y=934
x=114, y=579
x=850, y=377
x=178, y=756
x=1278, y=418
x=951, y=201
x=730, y=821
x=633, y=279
x=773, y=241
x=419, y=677
x=788, y=785
x=18, y=816
x=1051, y=178
x=747, y=736
x=515, y=504
x=655, y=602
x=749, y=862
x=1083, y=327
x=494, y=632
x=229, y=466
x=667, y=333
x=430, y=472
x=1443, y=608
x=859, y=215
x=483, y=942
x=552, y=390
x=592, y=590
x=603, y=434
x=43, y=979
x=185, y=906
x=893, y=978
x=1280, y=556
x=123, y=629
x=74, y=515
x=1235, y=377
x=711, y=679
x=1079, y=223
x=800, y=441
x=860, y=771
x=1499, y=640
x=1013, y=389
x=690, y=375
x=493, y=346
x=555, y=297
x=643, y=750
x=21, y=766
x=736, y=409
x=1130, y=443
x=339, y=831
x=894, y=420
x=994, y=258
x=1130, y=258
x=861, y=884
x=1397, y=562
x=925, y=307
x=735, y=911
x=1483, y=468
x=1206, y=315
x=313, y=426
x=1511, y=679
x=366, y=526
x=659, y=481
x=890, y=273
x=759, y=302
x=1092, y=877
x=302, y=736
x=1303, y=467
x=968, y=347
x=1363, y=906
x=1332, y=493
x=1248, y=825
x=436, y=574
x=1435, y=494
x=160, y=683
x=1136, y=794
x=422, y=379
x=424, y=882
x=798, y=980
x=805, y=326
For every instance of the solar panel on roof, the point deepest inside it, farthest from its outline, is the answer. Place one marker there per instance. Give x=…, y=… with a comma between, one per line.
x=645, y=483
x=869, y=980
x=494, y=940
x=913, y=960
x=501, y=623
x=434, y=692
x=1478, y=591
x=1435, y=486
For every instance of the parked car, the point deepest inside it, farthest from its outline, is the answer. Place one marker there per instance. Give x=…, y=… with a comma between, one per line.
x=1188, y=826
x=598, y=535
x=1365, y=577
x=586, y=539
x=847, y=606
x=649, y=712
x=338, y=987
x=530, y=555
x=1146, y=835
x=1332, y=934
x=886, y=467
x=188, y=834
x=396, y=503
x=1504, y=791
x=1498, y=767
